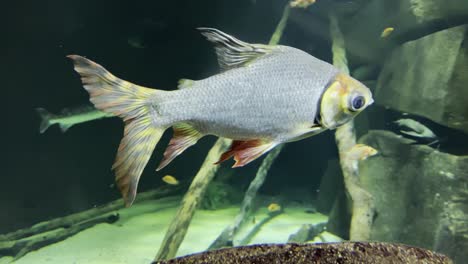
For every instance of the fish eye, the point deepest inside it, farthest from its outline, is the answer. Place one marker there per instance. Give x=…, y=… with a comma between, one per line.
x=357, y=103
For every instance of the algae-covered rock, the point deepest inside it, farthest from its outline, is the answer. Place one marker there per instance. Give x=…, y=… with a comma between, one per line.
x=418, y=194
x=411, y=19
x=427, y=77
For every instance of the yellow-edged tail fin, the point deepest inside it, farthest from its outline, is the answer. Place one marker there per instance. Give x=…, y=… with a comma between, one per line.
x=132, y=103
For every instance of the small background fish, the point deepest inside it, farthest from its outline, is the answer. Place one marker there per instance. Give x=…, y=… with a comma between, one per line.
x=387, y=32
x=169, y=179
x=69, y=117
x=361, y=152
x=274, y=207
x=416, y=128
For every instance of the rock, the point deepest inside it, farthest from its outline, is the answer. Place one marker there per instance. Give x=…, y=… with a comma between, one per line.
x=326, y=237
x=420, y=194
x=326, y=253
x=427, y=77
x=411, y=19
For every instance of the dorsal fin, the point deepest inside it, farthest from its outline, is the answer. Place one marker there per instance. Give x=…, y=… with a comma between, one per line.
x=185, y=83
x=233, y=53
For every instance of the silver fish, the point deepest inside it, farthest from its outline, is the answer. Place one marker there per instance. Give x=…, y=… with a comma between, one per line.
x=265, y=96
x=69, y=117
x=418, y=129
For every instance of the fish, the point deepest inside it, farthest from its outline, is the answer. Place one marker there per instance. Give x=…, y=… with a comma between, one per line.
x=264, y=96
x=360, y=152
x=386, y=32
x=136, y=42
x=418, y=130
x=302, y=3
x=274, y=207
x=69, y=117
x=170, y=180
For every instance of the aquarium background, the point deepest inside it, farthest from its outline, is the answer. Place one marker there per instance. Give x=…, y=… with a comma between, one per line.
x=155, y=43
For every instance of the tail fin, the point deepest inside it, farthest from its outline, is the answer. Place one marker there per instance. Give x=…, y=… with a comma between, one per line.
x=130, y=102
x=46, y=116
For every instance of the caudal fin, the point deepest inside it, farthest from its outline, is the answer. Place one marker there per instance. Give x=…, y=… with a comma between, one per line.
x=132, y=103
x=46, y=116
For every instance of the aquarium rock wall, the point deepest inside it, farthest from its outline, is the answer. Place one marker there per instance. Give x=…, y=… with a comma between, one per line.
x=419, y=188
x=420, y=193
x=428, y=77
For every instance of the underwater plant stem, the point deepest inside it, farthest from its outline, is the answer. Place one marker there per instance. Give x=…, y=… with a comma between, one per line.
x=275, y=38
x=179, y=225
x=362, y=207
x=226, y=237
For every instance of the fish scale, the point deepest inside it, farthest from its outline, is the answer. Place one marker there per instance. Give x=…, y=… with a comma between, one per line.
x=264, y=99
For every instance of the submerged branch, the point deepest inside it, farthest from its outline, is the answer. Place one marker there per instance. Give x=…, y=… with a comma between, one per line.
x=70, y=220
x=362, y=207
x=22, y=241
x=178, y=227
x=227, y=236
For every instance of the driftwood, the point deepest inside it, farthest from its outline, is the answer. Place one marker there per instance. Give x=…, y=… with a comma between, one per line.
x=22, y=241
x=178, y=227
x=21, y=247
x=329, y=253
x=307, y=232
x=70, y=220
x=362, y=208
x=258, y=226
x=226, y=237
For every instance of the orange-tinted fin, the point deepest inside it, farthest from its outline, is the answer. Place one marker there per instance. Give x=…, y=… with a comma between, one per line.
x=245, y=152
x=132, y=103
x=184, y=137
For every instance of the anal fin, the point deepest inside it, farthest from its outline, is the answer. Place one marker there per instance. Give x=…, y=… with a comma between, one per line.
x=245, y=152
x=64, y=127
x=184, y=137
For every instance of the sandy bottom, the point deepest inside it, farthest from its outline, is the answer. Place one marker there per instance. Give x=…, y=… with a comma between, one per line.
x=136, y=237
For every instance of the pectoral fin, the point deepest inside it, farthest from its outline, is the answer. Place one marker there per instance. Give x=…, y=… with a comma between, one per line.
x=245, y=152
x=306, y=132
